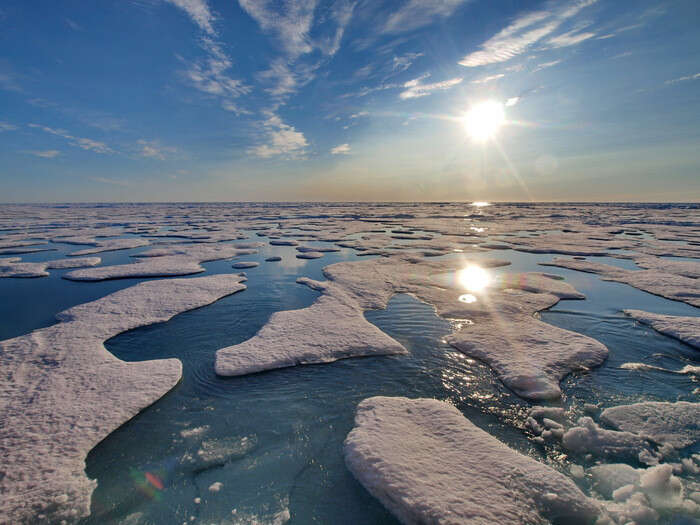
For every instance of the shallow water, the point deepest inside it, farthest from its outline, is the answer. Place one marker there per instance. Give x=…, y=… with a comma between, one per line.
x=274, y=439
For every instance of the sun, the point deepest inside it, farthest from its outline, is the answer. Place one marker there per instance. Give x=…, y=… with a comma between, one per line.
x=483, y=120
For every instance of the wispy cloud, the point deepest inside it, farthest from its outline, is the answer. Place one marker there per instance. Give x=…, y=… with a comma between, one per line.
x=342, y=149
x=486, y=79
x=153, y=149
x=73, y=24
x=81, y=142
x=199, y=12
x=569, y=39
x=289, y=21
x=696, y=76
x=8, y=81
x=545, y=65
x=418, y=13
x=415, y=88
x=211, y=76
x=6, y=126
x=403, y=62
x=46, y=154
x=113, y=182
x=285, y=79
x=523, y=32
x=281, y=139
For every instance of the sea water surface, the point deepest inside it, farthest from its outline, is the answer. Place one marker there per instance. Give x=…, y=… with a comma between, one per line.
x=268, y=447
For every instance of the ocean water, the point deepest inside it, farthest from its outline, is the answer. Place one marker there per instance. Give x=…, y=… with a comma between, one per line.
x=274, y=439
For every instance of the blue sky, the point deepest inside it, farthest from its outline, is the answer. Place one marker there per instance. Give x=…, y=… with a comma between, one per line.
x=225, y=100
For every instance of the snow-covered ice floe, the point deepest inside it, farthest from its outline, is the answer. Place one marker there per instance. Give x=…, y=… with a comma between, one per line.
x=332, y=328
x=427, y=463
x=683, y=328
x=658, y=282
x=38, y=269
x=62, y=392
x=162, y=262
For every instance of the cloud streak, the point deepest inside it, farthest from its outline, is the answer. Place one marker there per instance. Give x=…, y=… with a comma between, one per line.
x=81, y=142
x=521, y=34
x=45, y=154
x=416, y=89
x=419, y=13
x=199, y=12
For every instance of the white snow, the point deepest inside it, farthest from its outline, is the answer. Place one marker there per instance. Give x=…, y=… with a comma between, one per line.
x=427, y=463
x=62, y=392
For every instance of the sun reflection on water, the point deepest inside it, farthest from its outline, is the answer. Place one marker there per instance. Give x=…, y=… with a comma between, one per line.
x=473, y=278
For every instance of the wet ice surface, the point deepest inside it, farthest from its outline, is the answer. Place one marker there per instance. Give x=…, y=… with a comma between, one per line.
x=274, y=441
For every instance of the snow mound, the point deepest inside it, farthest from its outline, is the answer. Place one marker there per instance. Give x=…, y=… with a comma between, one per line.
x=427, y=463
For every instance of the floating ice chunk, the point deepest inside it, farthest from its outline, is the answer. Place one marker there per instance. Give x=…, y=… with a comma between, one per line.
x=332, y=328
x=63, y=392
x=283, y=242
x=641, y=496
x=245, y=264
x=309, y=255
x=675, y=424
x=589, y=438
x=274, y=258
x=687, y=369
x=683, y=328
x=609, y=477
x=216, y=486
x=427, y=463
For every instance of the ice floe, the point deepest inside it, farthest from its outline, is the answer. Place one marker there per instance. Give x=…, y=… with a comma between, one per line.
x=39, y=269
x=427, y=463
x=62, y=392
x=165, y=262
x=668, y=285
x=683, y=328
x=332, y=328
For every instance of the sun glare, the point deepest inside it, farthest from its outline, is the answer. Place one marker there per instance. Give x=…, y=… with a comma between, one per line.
x=473, y=278
x=483, y=120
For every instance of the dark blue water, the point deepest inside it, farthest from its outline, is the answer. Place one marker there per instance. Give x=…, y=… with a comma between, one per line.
x=274, y=440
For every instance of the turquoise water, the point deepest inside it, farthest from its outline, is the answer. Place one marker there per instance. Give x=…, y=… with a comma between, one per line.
x=274, y=439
